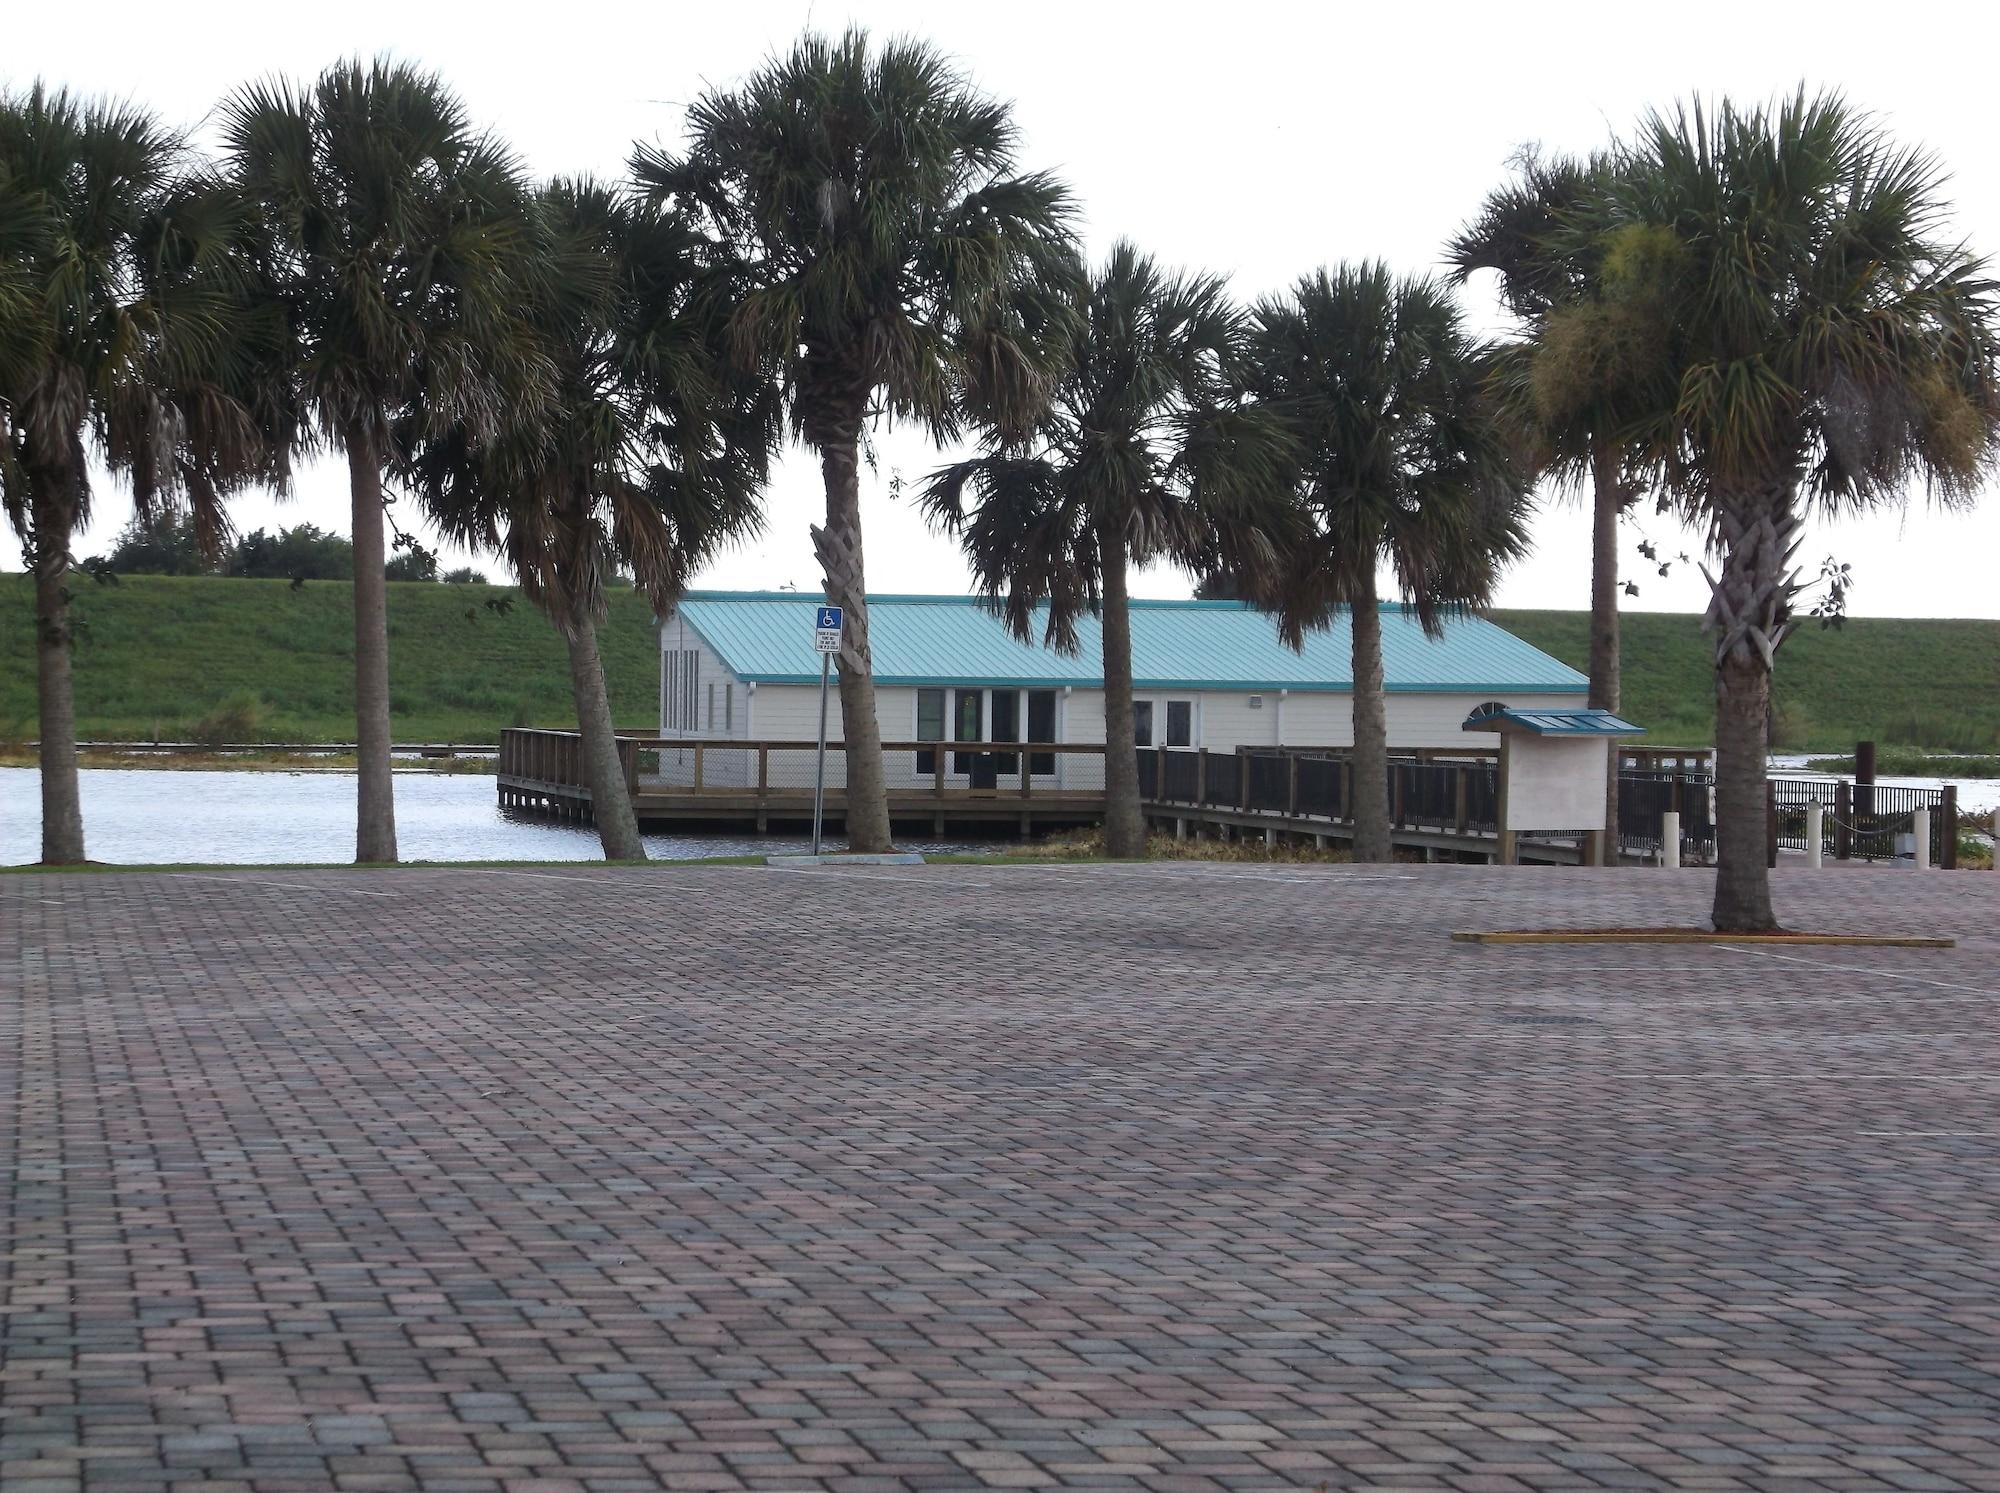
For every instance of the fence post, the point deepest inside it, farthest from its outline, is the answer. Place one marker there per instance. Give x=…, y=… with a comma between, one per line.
x=763, y=768
x=1201, y=775
x=1242, y=779
x=1770, y=823
x=1843, y=820
x=1462, y=796
x=1920, y=847
x=1670, y=841
x=1815, y=822
x=1948, y=812
x=1292, y=784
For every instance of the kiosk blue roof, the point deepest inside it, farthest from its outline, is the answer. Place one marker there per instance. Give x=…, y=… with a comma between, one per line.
x=1552, y=722
x=767, y=636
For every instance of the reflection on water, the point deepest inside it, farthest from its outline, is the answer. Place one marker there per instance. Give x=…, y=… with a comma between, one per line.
x=152, y=817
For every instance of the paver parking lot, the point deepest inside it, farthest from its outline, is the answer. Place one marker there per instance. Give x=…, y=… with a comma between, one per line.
x=1165, y=1177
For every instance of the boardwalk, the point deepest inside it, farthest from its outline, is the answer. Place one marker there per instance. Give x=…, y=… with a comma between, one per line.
x=1175, y=1177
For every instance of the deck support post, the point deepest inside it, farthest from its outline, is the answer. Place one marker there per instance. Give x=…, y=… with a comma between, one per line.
x=1270, y=838
x=1180, y=827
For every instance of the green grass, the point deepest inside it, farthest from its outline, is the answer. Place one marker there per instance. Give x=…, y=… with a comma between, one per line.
x=157, y=656
x=1908, y=682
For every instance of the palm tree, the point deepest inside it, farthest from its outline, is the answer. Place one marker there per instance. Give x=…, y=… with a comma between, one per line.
x=1827, y=345
x=1145, y=453
x=398, y=245
x=125, y=330
x=1588, y=358
x=1401, y=464
x=650, y=455
x=896, y=264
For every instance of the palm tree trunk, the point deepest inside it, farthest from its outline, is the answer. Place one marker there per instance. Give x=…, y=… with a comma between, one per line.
x=1124, y=825
x=610, y=798
x=1750, y=609
x=375, y=800
x=1608, y=502
x=1370, y=755
x=839, y=546
x=62, y=799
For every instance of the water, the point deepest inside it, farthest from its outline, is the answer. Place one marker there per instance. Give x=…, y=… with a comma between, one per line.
x=145, y=816
x=1976, y=796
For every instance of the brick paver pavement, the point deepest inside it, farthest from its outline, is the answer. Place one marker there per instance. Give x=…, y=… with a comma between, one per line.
x=1169, y=1177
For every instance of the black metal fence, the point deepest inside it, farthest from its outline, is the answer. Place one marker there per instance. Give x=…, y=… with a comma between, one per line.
x=1461, y=795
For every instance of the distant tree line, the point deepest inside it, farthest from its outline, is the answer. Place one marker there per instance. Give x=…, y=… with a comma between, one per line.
x=167, y=544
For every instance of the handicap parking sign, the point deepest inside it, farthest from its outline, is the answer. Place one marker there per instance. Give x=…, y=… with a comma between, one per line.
x=826, y=629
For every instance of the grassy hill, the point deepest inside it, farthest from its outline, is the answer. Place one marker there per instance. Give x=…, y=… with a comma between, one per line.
x=159, y=654
x=156, y=654
x=1913, y=682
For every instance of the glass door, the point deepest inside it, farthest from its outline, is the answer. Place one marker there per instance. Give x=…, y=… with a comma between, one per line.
x=968, y=720
x=1042, y=728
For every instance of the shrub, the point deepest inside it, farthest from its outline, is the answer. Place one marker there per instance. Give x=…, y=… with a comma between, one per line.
x=236, y=719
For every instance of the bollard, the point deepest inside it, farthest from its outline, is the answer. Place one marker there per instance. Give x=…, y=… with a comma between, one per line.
x=1920, y=834
x=1815, y=820
x=1670, y=841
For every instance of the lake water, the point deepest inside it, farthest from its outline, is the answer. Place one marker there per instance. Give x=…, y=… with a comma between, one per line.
x=143, y=817
x=1975, y=795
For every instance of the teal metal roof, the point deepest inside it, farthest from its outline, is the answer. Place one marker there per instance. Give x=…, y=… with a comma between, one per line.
x=767, y=636
x=1553, y=722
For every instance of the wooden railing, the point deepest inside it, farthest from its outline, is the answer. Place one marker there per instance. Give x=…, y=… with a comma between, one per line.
x=697, y=764
x=535, y=754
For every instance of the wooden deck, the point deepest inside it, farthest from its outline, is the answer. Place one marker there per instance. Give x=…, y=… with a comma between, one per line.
x=767, y=785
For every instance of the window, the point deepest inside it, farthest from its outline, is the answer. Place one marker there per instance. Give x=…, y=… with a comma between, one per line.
x=1180, y=723
x=930, y=727
x=1042, y=728
x=1142, y=723
x=1006, y=713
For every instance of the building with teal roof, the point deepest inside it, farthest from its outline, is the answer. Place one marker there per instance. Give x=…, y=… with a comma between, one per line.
x=740, y=666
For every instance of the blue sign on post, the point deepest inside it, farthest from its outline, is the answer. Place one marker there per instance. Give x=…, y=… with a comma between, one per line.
x=826, y=638
x=826, y=629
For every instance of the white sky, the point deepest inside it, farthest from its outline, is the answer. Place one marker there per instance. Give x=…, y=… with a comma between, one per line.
x=1257, y=140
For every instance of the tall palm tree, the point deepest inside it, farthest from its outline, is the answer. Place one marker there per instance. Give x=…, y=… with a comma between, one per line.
x=897, y=264
x=1402, y=464
x=1829, y=343
x=124, y=325
x=1589, y=356
x=650, y=454
x=398, y=245
x=1146, y=452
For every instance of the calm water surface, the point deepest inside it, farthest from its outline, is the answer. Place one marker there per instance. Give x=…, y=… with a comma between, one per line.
x=145, y=817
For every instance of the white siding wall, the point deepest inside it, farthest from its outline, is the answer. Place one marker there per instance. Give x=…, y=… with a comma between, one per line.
x=721, y=709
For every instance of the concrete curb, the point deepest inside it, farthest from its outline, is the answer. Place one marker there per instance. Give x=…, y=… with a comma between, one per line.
x=796, y=862
x=1688, y=936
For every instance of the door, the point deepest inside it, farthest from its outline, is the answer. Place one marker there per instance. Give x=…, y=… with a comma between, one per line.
x=968, y=722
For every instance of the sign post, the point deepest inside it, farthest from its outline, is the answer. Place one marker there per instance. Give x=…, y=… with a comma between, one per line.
x=826, y=638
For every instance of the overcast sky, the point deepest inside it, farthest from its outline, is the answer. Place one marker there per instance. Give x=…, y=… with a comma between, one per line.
x=1257, y=140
